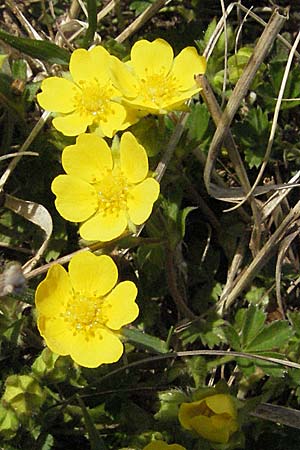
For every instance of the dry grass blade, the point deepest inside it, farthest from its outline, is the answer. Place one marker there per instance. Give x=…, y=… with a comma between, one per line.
x=261, y=258
x=141, y=20
x=275, y=118
x=284, y=246
x=260, y=51
x=279, y=414
x=23, y=148
x=275, y=200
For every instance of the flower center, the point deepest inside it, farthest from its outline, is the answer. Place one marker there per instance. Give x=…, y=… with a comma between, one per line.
x=204, y=410
x=84, y=314
x=113, y=192
x=93, y=99
x=158, y=89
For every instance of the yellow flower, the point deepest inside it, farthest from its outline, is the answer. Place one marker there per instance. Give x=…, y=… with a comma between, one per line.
x=86, y=99
x=214, y=418
x=161, y=445
x=153, y=80
x=80, y=312
x=103, y=191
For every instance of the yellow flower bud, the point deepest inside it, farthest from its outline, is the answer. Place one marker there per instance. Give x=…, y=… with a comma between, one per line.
x=161, y=445
x=213, y=417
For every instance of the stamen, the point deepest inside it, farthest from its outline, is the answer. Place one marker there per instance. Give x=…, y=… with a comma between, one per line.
x=113, y=192
x=93, y=99
x=84, y=314
x=157, y=88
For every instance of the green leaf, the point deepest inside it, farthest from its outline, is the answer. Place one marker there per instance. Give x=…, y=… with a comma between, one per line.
x=145, y=340
x=294, y=318
x=92, y=21
x=182, y=215
x=269, y=90
x=47, y=51
x=252, y=135
x=198, y=121
x=273, y=336
x=257, y=296
x=232, y=337
x=139, y=6
x=169, y=404
x=19, y=69
x=95, y=440
x=252, y=325
x=7, y=98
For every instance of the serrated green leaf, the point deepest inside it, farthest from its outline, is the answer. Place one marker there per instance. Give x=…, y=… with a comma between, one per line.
x=232, y=337
x=209, y=31
x=274, y=335
x=139, y=7
x=269, y=91
x=257, y=296
x=253, y=323
x=253, y=134
x=44, y=50
x=145, y=340
x=197, y=122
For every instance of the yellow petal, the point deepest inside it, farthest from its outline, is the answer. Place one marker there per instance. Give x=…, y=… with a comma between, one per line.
x=120, y=305
x=90, y=64
x=88, y=159
x=145, y=105
x=114, y=119
x=72, y=124
x=92, y=275
x=187, y=64
x=57, y=334
x=53, y=292
x=76, y=200
x=141, y=199
x=177, y=102
x=186, y=412
x=149, y=58
x=104, y=228
x=134, y=160
x=221, y=403
x=103, y=347
x=212, y=430
x=57, y=95
x=132, y=117
x=123, y=78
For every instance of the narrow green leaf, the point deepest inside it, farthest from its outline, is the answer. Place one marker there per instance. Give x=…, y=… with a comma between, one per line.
x=253, y=323
x=96, y=442
x=145, y=340
x=47, y=51
x=182, y=219
x=92, y=21
x=273, y=336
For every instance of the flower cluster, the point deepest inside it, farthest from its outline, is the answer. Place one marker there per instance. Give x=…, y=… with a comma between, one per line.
x=107, y=95
x=106, y=190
